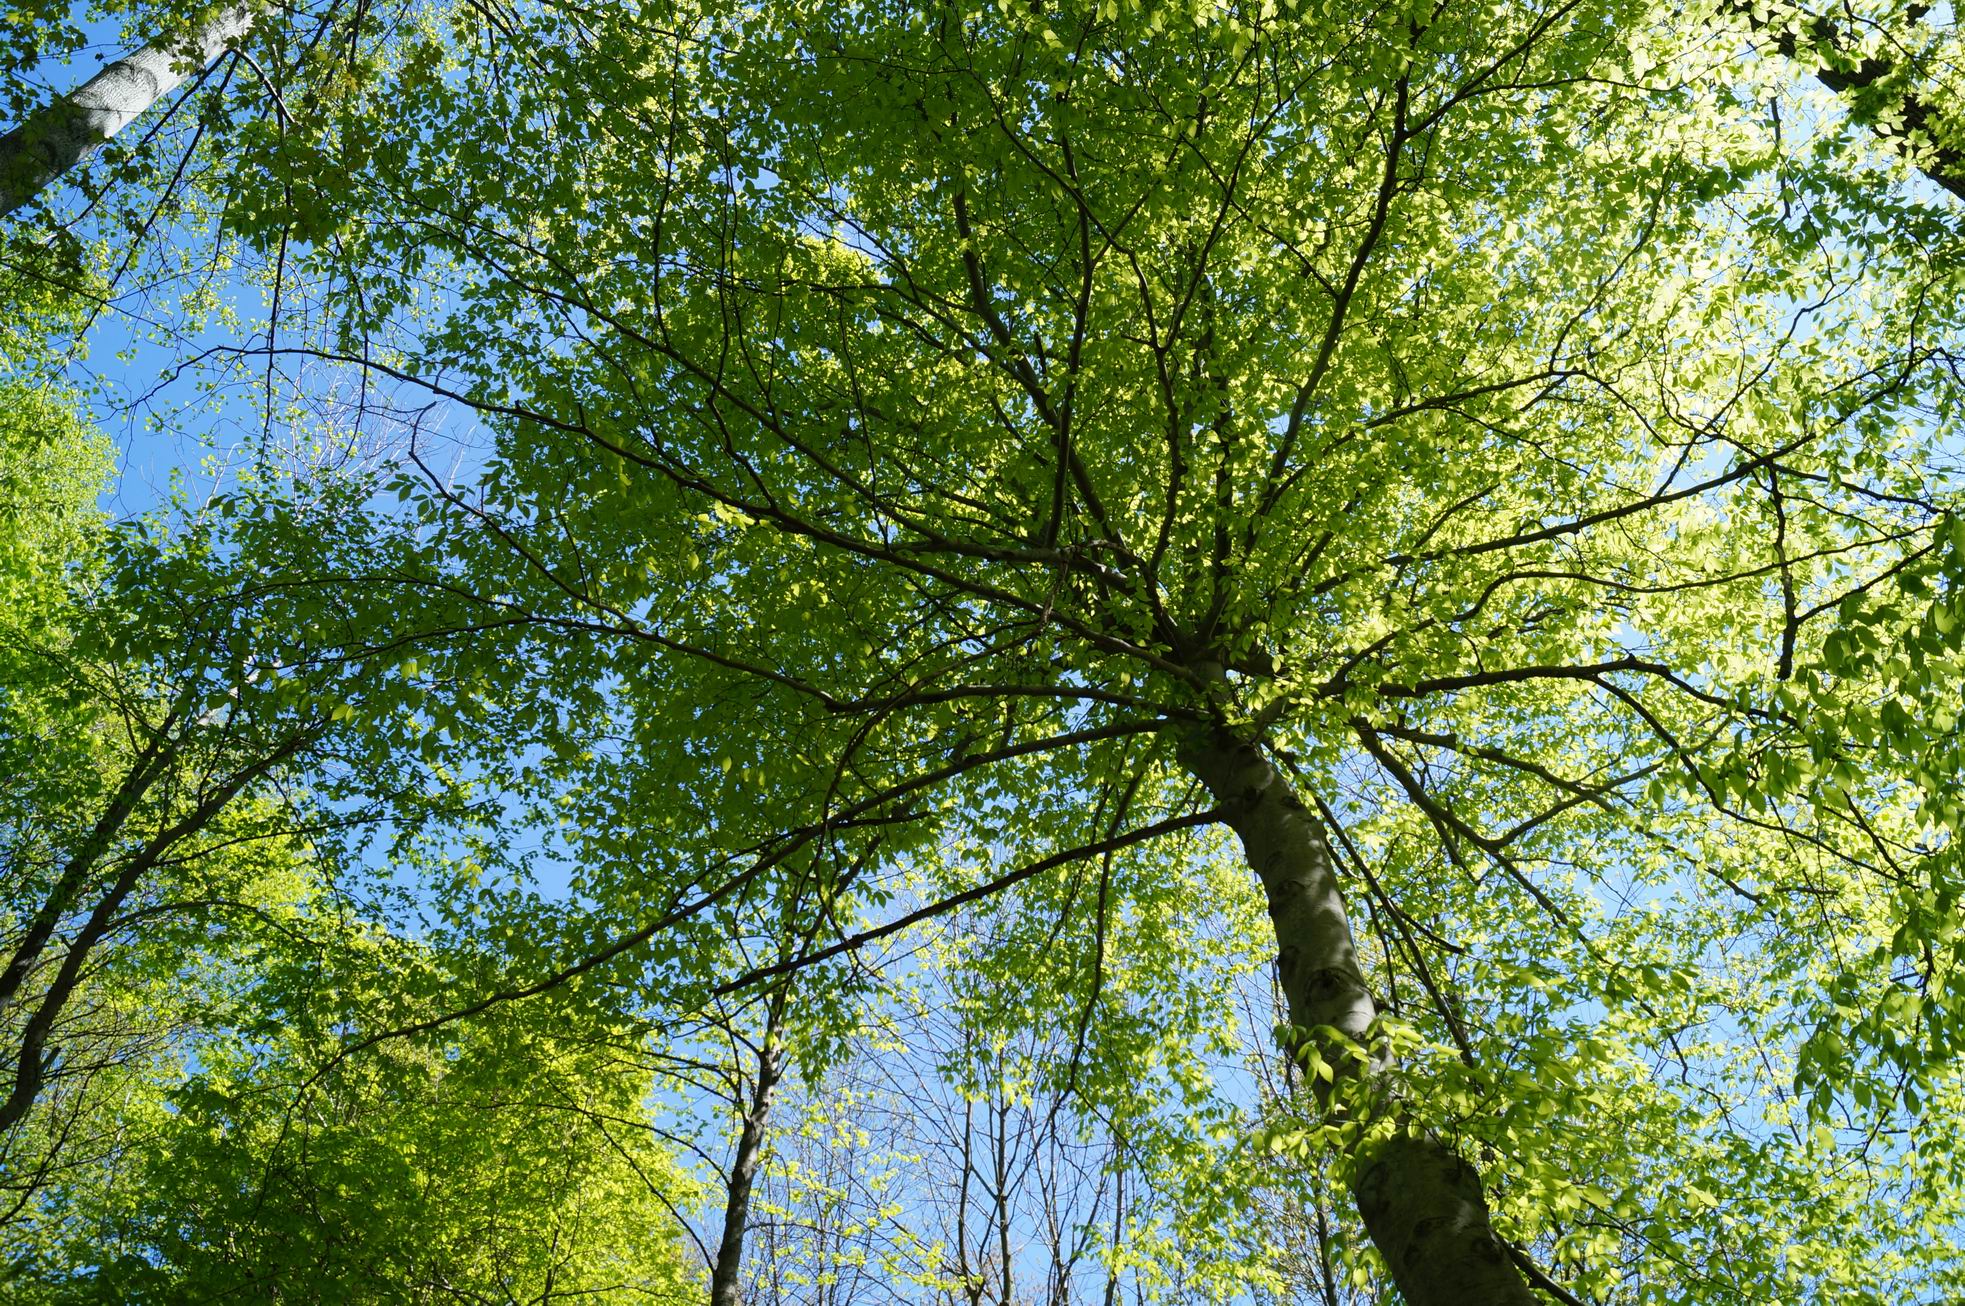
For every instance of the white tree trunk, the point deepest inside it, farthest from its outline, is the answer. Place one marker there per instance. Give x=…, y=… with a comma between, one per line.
x=76, y=125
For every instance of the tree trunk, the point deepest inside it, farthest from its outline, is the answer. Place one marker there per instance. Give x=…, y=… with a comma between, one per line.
x=31, y=1058
x=1422, y=1204
x=76, y=125
x=1856, y=79
x=724, y=1280
x=148, y=766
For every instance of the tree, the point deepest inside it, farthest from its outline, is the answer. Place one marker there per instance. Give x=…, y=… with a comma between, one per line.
x=183, y=969
x=1119, y=387
x=73, y=127
x=512, y=1162
x=142, y=767
x=754, y=1116
x=1031, y=1112
x=969, y=442
x=1890, y=70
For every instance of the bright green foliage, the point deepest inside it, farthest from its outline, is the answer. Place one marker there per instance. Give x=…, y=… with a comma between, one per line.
x=136, y=818
x=1533, y=428
x=903, y=412
x=51, y=469
x=513, y=1162
x=184, y=970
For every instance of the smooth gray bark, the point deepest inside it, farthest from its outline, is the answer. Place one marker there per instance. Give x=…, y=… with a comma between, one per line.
x=76, y=125
x=725, y=1275
x=1422, y=1203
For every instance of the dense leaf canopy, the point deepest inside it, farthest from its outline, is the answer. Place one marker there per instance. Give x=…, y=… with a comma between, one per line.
x=1208, y=651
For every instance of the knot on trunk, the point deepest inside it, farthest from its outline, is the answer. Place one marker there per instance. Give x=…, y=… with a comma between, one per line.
x=1324, y=985
x=1424, y=1206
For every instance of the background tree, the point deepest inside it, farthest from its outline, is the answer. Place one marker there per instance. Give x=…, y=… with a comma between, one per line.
x=190, y=938
x=513, y=1161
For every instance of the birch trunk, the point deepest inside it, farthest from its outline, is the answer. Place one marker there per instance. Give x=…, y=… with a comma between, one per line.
x=1422, y=1204
x=76, y=125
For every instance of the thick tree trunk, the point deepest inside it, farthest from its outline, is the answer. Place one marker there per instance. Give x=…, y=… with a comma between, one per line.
x=1866, y=87
x=725, y=1283
x=77, y=124
x=1422, y=1204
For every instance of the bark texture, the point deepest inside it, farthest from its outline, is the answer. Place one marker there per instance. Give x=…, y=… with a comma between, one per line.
x=725, y=1281
x=1874, y=89
x=76, y=125
x=1422, y=1203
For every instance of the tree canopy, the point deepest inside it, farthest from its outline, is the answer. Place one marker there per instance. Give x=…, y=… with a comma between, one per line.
x=993, y=652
